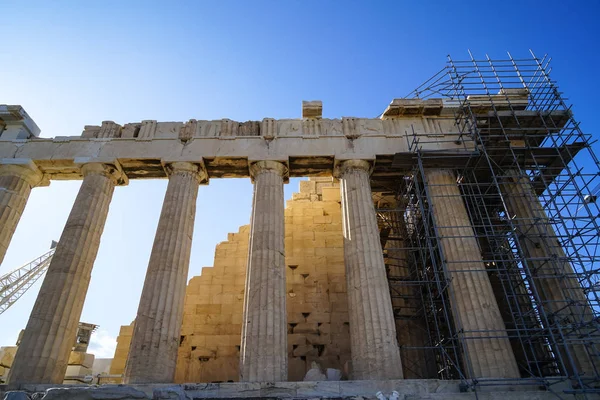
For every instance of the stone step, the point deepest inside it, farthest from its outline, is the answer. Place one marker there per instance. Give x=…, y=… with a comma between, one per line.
x=407, y=390
x=125, y=393
x=537, y=395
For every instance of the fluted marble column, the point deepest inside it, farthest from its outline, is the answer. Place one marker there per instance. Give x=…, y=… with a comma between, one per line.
x=561, y=294
x=43, y=354
x=518, y=310
x=476, y=314
x=16, y=182
x=263, y=354
x=153, y=351
x=374, y=346
x=418, y=361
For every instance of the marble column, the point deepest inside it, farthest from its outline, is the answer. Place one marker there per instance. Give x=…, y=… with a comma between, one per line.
x=477, y=318
x=43, y=354
x=153, y=351
x=374, y=346
x=517, y=309
x=418, y=359
x=557, y=286
x=16, y=182
x=263, y=354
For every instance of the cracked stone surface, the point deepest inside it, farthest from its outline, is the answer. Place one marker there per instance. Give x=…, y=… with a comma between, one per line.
x=263, y=355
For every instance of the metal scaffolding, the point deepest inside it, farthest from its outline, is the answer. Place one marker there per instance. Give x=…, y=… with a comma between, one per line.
x=14, y=284
x=530, y=189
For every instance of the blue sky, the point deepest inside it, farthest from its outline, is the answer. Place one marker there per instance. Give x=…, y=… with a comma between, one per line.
x=72, y=64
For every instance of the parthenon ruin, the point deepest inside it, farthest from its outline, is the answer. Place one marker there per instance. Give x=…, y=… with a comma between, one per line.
x=454, y=237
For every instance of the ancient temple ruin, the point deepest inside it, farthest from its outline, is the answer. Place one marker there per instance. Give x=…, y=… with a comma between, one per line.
x=454, y=237
x=316, y=297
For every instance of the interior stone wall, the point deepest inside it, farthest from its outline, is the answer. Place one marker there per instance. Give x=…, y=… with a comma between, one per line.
x=117, y=366
x=317, y=309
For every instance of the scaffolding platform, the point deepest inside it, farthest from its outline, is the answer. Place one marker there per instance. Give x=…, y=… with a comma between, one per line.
x=529, y=186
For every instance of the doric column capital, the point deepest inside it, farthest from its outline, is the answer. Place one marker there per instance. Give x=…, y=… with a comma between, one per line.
x=346, y=165
x=186, y=167
x=112, y=171
x=25, y=169
x=258, y=167
x=17, y=178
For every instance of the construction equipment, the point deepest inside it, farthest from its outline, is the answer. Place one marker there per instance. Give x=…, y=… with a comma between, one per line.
x=15, y=283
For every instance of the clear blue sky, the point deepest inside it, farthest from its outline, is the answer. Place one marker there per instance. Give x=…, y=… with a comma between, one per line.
x=75, y=63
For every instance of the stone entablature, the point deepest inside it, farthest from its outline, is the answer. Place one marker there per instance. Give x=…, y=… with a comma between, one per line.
x=268, y=128
x=310, y=146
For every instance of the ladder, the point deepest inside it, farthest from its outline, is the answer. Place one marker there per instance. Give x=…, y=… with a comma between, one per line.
x=15, y=283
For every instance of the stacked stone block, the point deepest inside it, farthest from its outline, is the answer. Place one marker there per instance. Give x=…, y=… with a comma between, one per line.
x=117, y=367
x=317, y=306
x=212, y=320
x=80, y=364
x=7, y=355
x=317, y=309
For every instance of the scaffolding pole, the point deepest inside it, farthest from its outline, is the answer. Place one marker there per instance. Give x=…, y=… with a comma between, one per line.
x=530, y=188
